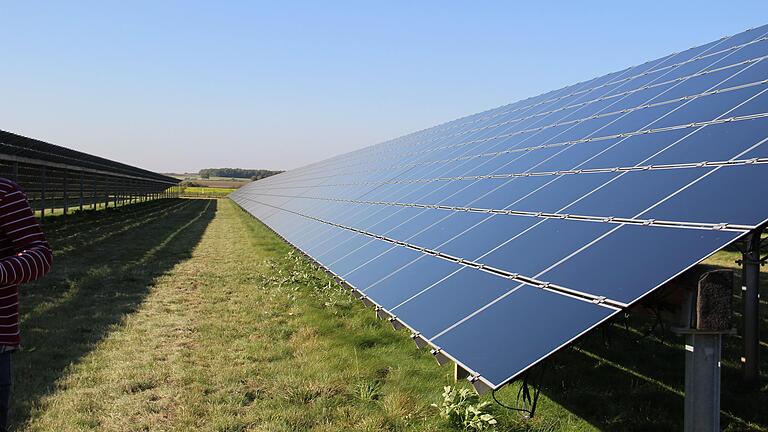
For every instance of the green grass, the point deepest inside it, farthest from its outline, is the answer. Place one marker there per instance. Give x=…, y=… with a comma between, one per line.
x=205, y=192
x=190, y=315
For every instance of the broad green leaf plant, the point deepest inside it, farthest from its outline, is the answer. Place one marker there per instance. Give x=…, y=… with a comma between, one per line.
x=462, y=408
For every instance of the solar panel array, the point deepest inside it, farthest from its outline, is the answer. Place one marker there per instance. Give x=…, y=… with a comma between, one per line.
x=500, y=237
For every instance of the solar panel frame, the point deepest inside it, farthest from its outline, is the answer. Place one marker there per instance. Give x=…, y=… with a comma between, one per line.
x=366, y=205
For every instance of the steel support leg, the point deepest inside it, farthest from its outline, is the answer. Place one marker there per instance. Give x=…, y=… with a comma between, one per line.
x=751, y=304
x=702, y=382
x=81, y=192
x=66, y=192
x=42, y=195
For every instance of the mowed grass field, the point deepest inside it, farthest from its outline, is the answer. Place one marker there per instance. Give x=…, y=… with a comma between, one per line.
x=181, y=315
x=205, y=192
x=211, y=188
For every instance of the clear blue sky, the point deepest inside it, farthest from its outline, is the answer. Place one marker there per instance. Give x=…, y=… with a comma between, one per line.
x=181, y=85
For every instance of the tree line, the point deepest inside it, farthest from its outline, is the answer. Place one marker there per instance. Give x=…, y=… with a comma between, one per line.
x=253, y=174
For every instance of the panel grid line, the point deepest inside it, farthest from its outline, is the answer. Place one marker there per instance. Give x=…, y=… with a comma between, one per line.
x=656, y=167
x=719, y=226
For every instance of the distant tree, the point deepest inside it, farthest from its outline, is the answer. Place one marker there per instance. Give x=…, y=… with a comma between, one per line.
x=253, y=174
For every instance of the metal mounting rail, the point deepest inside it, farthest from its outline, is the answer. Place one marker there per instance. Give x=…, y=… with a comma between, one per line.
x=604, y=170
x=721, y=226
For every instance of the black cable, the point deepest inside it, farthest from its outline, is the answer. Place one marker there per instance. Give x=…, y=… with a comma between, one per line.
x=511, y=408
x=650, y=331
x=662, y=326
x=524, y=394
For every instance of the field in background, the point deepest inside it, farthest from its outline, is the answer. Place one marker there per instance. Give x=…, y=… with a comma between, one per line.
x=205, y=192
x=225, y=182
x=193, y=186
x=218, y=183
x=183, y=315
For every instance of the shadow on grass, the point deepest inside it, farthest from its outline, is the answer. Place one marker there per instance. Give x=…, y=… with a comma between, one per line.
x=93, y=286
x=617, y=380
x=76, y=219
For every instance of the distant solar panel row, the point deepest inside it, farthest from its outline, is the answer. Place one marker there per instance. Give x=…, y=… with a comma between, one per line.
x=500, y=237
x=20, y=148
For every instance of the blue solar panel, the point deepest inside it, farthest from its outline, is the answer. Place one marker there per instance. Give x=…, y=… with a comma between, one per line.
x=500, y=237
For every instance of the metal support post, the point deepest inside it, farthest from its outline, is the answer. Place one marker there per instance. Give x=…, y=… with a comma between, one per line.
x=42, y=195
x=751, y=313
x=66, y=193
x=81, y=191
x=702, y=382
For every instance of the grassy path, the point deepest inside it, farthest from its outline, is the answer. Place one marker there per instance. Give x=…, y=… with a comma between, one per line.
x=191, y=315
x=224, y=340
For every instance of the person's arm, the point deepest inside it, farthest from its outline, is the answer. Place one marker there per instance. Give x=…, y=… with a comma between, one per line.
x=32, y=255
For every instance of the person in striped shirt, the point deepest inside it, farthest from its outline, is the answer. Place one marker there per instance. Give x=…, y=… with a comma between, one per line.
x=24, y=257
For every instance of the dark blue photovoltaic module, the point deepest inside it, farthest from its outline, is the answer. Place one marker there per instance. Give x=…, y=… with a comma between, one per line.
x=500, y=237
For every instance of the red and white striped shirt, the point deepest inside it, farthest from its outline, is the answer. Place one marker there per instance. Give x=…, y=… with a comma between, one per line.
x=24, y=256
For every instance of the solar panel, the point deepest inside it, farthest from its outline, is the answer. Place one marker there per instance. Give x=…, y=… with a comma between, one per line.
x=500, y=237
